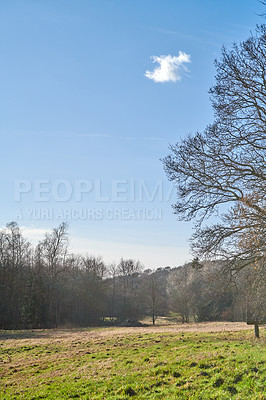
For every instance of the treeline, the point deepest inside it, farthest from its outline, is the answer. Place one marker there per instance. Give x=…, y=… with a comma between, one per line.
x=45, y=286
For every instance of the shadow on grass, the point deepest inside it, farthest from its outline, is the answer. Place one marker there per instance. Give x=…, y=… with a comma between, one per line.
x=24, y=334
x=43, y=333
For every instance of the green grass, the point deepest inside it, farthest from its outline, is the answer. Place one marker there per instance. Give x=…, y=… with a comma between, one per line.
x=91, y=365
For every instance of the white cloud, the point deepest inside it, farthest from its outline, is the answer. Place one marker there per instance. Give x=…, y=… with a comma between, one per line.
x=34, y=234
x=169, y=69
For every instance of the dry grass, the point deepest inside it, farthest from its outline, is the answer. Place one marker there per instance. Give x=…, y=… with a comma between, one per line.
x=105, y=363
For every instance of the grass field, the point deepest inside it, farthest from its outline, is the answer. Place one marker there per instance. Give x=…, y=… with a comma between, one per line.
x=205, y=361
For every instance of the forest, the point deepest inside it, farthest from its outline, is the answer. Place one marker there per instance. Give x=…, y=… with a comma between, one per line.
x=45, y=286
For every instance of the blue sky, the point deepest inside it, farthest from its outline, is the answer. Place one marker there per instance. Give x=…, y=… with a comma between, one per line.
x=77, y=111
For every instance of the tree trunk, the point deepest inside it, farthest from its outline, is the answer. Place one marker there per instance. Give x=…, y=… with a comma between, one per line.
x=256, y=330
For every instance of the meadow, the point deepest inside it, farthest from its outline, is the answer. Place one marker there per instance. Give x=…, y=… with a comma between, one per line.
x=200, y=361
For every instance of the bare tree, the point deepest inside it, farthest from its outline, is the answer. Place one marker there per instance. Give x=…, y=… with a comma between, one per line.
x=153, y=292
x=95, y=266
x=128, y=271
x=224, y=167
x=179, y=293
x=222, y=171
x=15, y=277
x=112, y=270
x=52, y=254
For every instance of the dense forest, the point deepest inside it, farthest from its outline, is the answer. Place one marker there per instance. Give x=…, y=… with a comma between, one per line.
x=46, y=286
